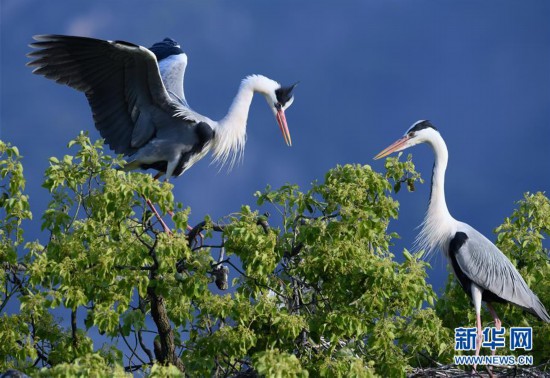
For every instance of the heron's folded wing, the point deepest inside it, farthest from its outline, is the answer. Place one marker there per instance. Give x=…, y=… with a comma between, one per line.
x=483, y=263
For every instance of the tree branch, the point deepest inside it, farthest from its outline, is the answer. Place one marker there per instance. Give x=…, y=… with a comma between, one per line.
x=194, y=232
x=166, y=354
x=74, y=329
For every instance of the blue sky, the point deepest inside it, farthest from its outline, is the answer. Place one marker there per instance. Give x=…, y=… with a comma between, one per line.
x=480, y=70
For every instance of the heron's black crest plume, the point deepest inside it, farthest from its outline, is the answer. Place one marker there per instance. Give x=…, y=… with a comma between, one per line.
x=420, y=125
x=284, y=94
x=166, y=48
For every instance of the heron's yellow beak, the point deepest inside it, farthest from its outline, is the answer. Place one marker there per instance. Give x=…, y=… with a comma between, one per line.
x=398, y=145
x=281, y=120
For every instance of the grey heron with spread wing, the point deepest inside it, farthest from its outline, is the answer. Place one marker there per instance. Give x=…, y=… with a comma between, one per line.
x=482, y=270
x=139, y=106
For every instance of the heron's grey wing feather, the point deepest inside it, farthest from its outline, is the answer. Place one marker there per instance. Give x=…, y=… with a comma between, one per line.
x=483, y=263
x=121, y=81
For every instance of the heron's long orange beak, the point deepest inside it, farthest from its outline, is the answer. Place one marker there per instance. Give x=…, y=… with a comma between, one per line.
x=395, y=146
x=281, y=120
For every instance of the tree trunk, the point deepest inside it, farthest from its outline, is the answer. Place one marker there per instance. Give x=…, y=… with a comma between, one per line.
x=166, y=354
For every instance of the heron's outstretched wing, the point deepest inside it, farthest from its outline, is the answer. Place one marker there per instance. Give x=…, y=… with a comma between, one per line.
x=121, y=81
x=485, y=265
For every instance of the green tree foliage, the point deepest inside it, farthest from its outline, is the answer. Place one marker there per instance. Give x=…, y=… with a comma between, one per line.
x=320, y=294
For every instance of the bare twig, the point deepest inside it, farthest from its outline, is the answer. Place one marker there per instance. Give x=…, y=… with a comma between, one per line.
x=144, y=347
x=253, y=279
x=133, y=349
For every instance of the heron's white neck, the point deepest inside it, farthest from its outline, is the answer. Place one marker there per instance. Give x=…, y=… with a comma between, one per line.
x=231, y=130
x=438, y=222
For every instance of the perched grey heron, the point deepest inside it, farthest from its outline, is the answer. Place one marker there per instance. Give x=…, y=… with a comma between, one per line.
x=482, y=270
x=138, y=103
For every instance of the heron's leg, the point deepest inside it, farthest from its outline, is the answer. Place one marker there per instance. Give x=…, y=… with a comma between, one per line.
x=476, y=298
x=189, y=228
x=498, y=323
x=152, y=207
x=171, y=213
x=479, y=336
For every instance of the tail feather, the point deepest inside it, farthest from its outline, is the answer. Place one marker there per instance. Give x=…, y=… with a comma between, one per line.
x=539, y=310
